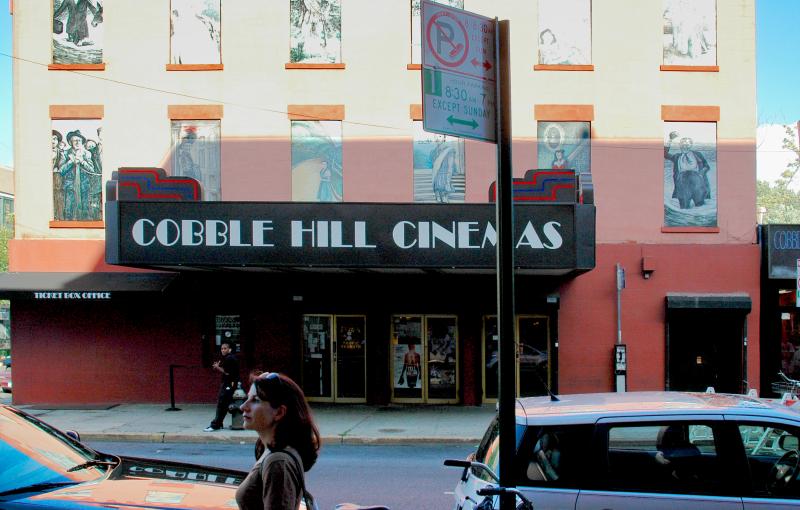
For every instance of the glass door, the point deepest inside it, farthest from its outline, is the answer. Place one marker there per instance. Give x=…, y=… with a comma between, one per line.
x=350, y=353
x=532, y=358
x=317, y=357
x=424, y=359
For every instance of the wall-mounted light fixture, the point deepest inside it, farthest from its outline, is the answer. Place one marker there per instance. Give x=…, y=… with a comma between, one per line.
x=648, y=267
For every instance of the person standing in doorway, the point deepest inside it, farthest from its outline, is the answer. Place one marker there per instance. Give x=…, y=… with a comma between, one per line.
x=229, y=367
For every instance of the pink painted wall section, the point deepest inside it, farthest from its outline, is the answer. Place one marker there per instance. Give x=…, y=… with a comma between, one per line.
x=60, y=255
x=378, y=170
x=588, y=316
x=256, y=169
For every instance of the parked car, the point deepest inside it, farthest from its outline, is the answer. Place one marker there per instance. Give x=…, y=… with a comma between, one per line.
x=44, y=468
x=644, y=450
x=5, y=381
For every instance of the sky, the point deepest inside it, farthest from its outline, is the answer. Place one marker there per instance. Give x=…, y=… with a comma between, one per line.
x=777, y=74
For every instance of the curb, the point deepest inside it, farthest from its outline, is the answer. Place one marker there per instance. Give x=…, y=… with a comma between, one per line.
x=163, y=437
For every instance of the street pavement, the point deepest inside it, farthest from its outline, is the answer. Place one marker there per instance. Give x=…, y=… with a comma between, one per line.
x=340, y=423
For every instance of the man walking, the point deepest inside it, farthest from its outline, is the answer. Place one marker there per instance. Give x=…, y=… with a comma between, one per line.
x=229, y=366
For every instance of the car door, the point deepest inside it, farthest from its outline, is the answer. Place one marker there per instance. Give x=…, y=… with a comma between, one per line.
x=661, y=463
x=552, y=463
x=770, y=450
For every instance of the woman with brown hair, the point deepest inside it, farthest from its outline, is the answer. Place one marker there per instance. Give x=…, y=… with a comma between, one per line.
x=277, y=410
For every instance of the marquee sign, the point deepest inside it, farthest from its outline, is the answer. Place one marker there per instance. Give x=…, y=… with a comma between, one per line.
x=352, y=235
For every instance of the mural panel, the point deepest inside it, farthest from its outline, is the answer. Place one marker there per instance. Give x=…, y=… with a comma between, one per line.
x=439, y=167
x=416, y=26
x=316, y=161
x=77, y=167
x=315, y=31
x=565, y=32
x=196, y=154
x=195, y=32
x=690, y=32
x=564, y=145
x=690, y=174
x=77, y=32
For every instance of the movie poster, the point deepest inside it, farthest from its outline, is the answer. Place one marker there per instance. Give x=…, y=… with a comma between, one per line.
x=564, y=146
x=77, y=32
x=317, y=161
x=195, y=32
x=690, y=32
x=690, y=174
x=77, y=167
x=439, y=167
x=407, y=356
x=196, y=154
x=565, y=32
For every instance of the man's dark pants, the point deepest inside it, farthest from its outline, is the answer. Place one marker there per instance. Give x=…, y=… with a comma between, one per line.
x=224, y=399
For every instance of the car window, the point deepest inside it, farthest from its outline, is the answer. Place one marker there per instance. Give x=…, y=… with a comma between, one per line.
x=489, y=449
x=32, y=453
x=555, y=456
x=674, y=457
x=772, y=456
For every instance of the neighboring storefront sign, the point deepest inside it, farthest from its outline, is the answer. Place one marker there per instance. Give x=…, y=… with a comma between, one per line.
x=783, y=250
x=552, y=237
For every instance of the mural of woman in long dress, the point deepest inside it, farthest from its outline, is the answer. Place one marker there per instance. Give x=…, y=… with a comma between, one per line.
x=317, y=161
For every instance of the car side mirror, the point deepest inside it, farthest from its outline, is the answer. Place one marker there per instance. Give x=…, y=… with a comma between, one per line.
x=466, y=464
x=73, y=435
x=788, y=442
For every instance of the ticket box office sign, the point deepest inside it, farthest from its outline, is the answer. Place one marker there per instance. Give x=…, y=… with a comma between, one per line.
x=556, y=239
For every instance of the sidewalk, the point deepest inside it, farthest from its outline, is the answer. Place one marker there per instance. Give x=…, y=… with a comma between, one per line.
x=346, y=424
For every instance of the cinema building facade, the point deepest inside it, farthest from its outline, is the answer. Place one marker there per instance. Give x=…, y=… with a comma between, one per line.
x=303, y=214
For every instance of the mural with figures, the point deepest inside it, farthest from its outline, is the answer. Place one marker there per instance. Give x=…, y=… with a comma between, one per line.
x=316, y=161
x=77, y=32
x=196, y=154
x=195, y=32
x=439, y=167
x=690, y=32
x=564, y=145
x=315, y=31
x=77, y=168
x=565, y=32
x=416, y=26
x=690, y=174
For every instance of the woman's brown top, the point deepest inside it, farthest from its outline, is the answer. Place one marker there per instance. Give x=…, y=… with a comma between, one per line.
x=273, y=483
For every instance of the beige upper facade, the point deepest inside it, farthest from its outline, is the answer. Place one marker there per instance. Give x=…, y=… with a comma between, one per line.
x=376, y=89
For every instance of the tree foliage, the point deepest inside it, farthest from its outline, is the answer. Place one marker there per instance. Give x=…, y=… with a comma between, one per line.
x=781, y=202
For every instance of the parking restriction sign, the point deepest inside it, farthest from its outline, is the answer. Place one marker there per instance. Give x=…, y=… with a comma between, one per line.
x=458, y=72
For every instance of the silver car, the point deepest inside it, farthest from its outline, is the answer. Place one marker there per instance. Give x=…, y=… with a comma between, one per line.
x=645, y=450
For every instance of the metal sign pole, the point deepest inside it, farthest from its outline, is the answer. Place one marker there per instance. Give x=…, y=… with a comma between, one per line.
x=507, y=370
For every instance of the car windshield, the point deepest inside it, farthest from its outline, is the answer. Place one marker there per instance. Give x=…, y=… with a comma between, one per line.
x=34, y=453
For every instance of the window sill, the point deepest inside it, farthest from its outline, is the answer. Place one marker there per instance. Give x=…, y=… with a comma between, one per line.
x=414, y=67
x=563, y=67
x=76, y=224
x=691, y=69
x=194, y=67
x=690, y=230
x=314, y=66
x=76, y=67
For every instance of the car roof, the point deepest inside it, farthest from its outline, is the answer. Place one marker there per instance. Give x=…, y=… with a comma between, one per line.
x=590, y=407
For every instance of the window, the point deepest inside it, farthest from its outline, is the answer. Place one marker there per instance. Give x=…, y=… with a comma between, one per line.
x=489, y=452
x=195, y=32
x=317, y=161
x=564, y=145
x=315, y=31
x=416, y=26
x=77, y=32
x=690, y=174
x=555, y=456
x=77, y=169
x=565, y=32
x=690, y=32
x=772, y=455
x=439, y=167
x=196, y=154
x=7, y=214
x=671, y=457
